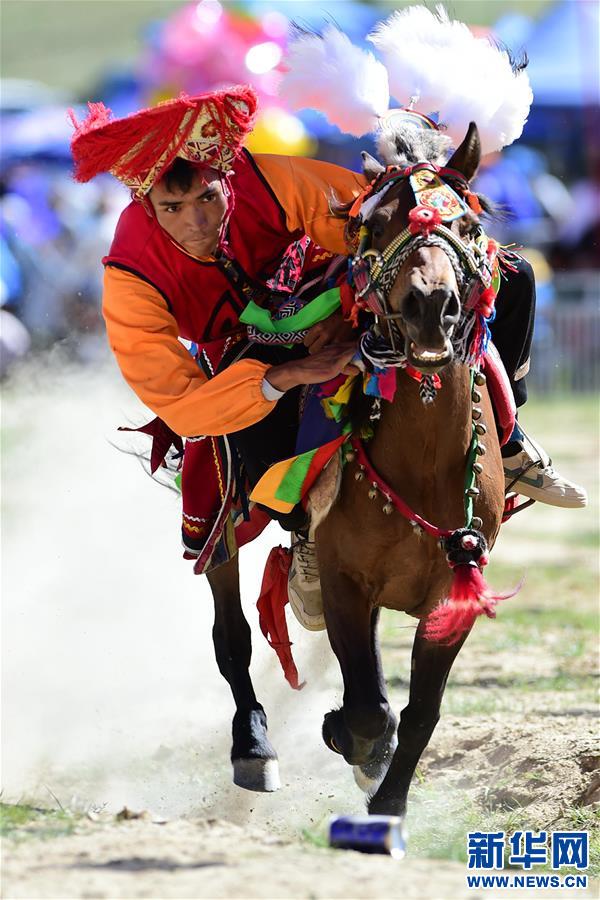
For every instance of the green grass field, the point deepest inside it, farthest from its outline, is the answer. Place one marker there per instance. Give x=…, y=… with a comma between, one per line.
x=70, y=43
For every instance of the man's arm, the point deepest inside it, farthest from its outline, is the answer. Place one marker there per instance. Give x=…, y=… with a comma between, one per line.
x=143, y=336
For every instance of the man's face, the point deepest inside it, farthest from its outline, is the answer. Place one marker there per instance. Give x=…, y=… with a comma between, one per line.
x=194, y=217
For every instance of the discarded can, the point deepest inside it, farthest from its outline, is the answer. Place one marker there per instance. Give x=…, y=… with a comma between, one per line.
x=369, y=834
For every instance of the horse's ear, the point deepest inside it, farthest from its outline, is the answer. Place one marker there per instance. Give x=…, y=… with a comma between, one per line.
x=467, y=157
x=371, y=167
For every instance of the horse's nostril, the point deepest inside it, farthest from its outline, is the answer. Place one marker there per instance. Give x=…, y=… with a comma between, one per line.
x=451, y=309
x=411, y=310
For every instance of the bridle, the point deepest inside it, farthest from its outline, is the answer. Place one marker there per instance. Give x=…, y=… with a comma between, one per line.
x=373, y=272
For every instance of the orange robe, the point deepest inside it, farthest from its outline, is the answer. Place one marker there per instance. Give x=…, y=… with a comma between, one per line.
x=143, y=333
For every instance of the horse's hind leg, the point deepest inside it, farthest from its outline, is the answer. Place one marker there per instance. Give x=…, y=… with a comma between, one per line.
x=363, y=729
x=431, y=664
x=254, y=760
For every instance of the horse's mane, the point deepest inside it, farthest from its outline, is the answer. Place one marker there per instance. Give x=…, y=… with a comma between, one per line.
x=405, y=146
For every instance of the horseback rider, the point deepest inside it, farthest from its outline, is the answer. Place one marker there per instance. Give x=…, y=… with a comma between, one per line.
x=210, y=228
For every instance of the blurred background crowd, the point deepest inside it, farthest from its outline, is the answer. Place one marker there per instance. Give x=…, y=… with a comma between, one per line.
x=134, y=53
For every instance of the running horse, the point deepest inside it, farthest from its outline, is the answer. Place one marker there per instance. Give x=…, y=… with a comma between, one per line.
x=410, y=474
x=413, y=470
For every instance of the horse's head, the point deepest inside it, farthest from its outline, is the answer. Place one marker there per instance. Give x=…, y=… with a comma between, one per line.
x=420, y=262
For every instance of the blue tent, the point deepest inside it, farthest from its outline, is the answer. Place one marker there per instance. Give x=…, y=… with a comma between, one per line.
x=563, y=55
x=355, y=19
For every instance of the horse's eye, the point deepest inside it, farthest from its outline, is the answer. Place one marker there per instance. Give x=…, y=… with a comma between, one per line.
x=377, y=228
x=470, y=229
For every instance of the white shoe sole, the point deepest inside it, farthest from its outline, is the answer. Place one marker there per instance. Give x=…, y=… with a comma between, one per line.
x=577, y=501
x=311, y=623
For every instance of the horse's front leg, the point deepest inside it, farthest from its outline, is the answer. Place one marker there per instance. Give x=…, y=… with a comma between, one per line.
x=254, y=760
x=431, y=664
x=363, y=730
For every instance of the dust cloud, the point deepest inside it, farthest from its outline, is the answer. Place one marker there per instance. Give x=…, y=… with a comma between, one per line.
x=111, y=695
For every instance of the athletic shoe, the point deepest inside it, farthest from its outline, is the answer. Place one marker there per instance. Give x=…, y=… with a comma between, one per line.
x=530, y=474
x=304, y=586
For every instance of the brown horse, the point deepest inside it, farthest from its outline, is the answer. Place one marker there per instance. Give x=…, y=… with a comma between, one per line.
x=420, y=451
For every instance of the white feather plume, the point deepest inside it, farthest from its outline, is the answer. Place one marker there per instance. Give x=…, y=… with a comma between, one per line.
x=330, y=74
x=455, y=74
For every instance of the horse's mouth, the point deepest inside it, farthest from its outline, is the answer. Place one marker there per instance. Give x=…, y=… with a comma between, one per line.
x=426, y=360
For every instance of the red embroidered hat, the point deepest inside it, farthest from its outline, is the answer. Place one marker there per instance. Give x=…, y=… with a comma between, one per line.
x=138, y=149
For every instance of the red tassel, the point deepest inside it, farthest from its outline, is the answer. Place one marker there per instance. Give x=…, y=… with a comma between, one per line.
x=510, y=503
x=473, y=202
x=485, y=303
x=271, y=611
x=355, y=312
x=469, y=598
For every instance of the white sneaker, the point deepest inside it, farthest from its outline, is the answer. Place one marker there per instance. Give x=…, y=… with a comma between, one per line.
x=304, y=586
x=530, y=473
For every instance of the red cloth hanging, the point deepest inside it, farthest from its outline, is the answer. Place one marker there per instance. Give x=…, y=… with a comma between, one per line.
x=271, y=611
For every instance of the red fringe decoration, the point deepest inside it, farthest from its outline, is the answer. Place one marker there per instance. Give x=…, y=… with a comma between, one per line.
x=418, y=376
x=271, y=611
x=469, y=598
x=131, y=146
x=486, y=301
x=99, y=115
x=492, y=248
x=510, y=504
x=355, y=313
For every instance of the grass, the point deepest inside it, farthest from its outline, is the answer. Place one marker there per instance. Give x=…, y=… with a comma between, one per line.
x=444, y=837
x=59, y=52
x=552, y=621
x=315, y=837
x=21, y=821
x=56, y=35
x=433, y=836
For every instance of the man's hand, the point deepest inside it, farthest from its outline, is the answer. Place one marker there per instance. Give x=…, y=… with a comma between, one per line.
x=332, y=330
x=321, y=366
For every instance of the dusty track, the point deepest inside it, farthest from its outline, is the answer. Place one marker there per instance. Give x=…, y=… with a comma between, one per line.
x=210, y=858
x=112, y=697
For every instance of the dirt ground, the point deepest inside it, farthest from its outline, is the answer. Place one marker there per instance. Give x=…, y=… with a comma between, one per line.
x=112, y=698
x=210, y=858
x=508, y=764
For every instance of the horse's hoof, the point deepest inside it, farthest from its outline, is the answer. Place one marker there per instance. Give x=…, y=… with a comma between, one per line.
x=365, y=783
x=256, y=774
x=369, y=777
